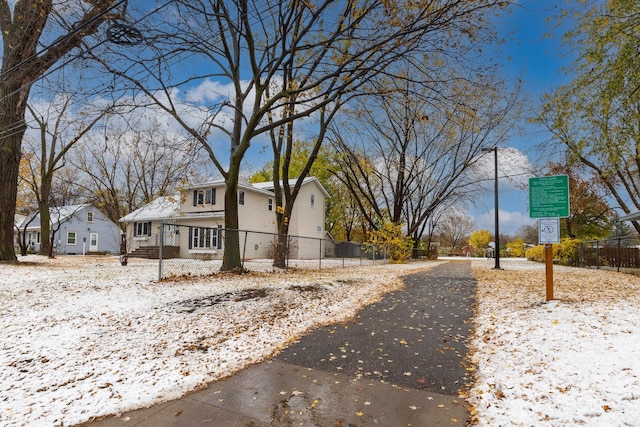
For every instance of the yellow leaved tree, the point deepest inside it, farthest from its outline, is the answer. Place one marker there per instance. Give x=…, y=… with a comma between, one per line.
x=480, y=241
x=397, y=246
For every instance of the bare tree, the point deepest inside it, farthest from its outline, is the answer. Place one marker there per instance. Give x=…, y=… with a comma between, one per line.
x=454, y=230
x=21, y=229
x=59, y=131
x=257, y=59
x=36, y=34
x=409, y=152
x=126, y=168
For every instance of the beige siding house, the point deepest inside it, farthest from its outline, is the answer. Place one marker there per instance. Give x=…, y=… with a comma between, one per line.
x=196, y=218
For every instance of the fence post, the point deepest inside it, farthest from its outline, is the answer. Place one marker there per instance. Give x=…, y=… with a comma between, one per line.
x=320, y=258
x=288, y=249
x=161, y=238
x=244, y=249
x=619, y=254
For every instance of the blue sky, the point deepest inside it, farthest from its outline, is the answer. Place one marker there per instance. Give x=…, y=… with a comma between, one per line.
x=538, y=60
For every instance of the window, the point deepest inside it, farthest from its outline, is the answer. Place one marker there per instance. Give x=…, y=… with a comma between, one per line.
x=71, y=238
x=271, y=204
x=313, y=200
x=241, y=198
x=33, y=237
x=204, y=238
x=210, y=196
x=142, y=228
x=204, y=197
x=89, y=216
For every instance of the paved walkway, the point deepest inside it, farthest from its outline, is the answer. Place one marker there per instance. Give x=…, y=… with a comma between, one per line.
x=397, y=363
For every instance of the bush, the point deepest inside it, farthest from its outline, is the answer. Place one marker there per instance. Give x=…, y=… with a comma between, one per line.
x=563, y=252
x=535, y=253
x=399, y=248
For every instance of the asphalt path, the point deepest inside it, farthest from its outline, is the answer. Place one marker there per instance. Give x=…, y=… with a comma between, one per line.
x=415, y=337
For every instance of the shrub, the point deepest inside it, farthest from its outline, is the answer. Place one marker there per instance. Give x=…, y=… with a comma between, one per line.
x=563, y=252
x=399, y=248
x=535, y=253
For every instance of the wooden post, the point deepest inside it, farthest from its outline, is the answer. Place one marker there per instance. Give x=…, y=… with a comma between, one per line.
x=548, y=249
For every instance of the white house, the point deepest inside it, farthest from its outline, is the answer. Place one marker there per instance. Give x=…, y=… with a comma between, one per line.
x=195, y=221
x=79, y=229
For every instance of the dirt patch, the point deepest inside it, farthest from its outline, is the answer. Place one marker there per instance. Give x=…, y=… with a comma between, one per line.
x=191, y=305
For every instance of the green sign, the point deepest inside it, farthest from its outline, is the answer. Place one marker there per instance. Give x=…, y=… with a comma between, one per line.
x=549, y=197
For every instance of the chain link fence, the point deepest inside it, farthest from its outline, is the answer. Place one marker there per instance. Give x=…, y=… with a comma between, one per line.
x=616, y=253
x=184, y=250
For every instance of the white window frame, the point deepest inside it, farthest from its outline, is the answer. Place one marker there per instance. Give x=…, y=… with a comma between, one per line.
x=89, y=216
x=313, y=200
x=75, y=238
x=206, y=196
x=270, y=207
x=204, y=238
x=241, y=198
x=142, y=229
x=33, y=237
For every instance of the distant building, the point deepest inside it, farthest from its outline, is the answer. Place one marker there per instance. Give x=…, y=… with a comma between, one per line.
x=78, y=229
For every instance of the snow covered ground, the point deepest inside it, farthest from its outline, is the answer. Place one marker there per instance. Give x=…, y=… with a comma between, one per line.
x=84, y=336
x=571, y=362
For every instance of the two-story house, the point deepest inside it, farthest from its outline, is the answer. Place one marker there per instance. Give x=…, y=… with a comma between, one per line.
x=194, y=221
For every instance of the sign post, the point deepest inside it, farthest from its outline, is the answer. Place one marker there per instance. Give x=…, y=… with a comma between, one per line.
x=549, y=201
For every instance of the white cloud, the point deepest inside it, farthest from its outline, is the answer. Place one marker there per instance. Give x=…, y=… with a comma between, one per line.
x=210, y=91
x=509, y=222
x=514, y=168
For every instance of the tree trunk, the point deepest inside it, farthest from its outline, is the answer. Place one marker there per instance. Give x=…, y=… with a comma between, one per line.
x=45, y=223
x=282, y=245
x=231, y=260
x=22, y=241
x=10, y=153
x=51, y=244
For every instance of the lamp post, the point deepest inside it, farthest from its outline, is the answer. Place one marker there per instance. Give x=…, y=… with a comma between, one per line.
x=497, y=222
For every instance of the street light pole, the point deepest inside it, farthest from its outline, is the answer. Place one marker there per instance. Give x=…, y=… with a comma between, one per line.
x=497, y=217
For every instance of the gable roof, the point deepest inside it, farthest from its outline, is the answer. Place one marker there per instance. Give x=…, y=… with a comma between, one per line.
x=18, y=219
x=166, y=207
x=243, y=184
x=268, y=185
x=630, y=217
x=57, y=214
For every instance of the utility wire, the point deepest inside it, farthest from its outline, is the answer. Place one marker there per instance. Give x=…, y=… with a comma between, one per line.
x=60, y=40
x=15, y=127
x=255, y=15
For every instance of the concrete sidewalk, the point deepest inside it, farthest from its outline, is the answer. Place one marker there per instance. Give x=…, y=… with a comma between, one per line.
x=397, y=363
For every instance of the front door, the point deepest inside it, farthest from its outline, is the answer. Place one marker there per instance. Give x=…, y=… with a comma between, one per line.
x=170, y=234
x=93, y=242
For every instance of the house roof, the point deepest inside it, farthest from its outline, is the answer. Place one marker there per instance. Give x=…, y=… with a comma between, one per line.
x=57, y=214
x=167, y=207
x=18, y=219
x=631, y=217
x=268, y=185
x=242, y=184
